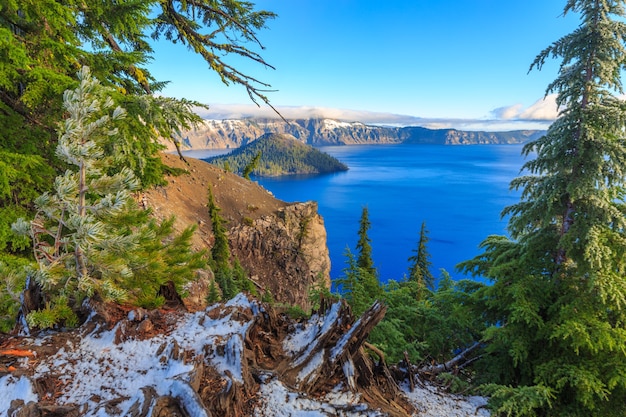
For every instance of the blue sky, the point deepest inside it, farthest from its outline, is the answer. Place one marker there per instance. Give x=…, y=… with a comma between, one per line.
x=456, y=63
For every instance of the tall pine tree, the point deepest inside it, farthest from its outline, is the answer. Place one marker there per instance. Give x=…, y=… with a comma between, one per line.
x=558, y=344
x=419, y=269
x=363, y=245
x=89, y=238
x=360, y=280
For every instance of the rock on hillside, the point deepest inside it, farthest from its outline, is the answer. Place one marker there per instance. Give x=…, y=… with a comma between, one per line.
x=223, y=134
x=282, y=244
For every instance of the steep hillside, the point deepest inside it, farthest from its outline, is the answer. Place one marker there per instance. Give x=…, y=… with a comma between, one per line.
x=223, y=134
x=266, y=234
x=281, y=154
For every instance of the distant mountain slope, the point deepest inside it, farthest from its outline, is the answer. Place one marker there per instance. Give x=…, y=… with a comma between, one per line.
x=221, y=134
x=281, y=154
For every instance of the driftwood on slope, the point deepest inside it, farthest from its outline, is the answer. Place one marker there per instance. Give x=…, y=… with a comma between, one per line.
x=337, y=354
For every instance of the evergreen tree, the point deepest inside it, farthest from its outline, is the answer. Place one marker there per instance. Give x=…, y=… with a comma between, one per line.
x=557, y=346
x=220, y=252
x=367, y=273
x=89, y=238
x=214, y=295
x=351, y=286
x=251, y=166
x=359, y=285
x=232, y=278
x=363, y=245
x=44, y=43
x=419, y=270
x=436, y=325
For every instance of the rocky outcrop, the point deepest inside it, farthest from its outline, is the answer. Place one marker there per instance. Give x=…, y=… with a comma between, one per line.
x=283, y=245
x=223, y=134
x=288, y=251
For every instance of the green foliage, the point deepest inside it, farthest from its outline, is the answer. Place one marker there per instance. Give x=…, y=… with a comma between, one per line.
x=267, y=297
x=419, y=268
x=278, y=155
x=296, y=312
x=363, y=245
x=160, y=258
x=44, y=43
x=520, y=402
x=55, y=312
x=358, y=286
x=214, y=295
x=427, y=324
x=220, y=252
x=89, y=238
x=226, y=282
x=231, y=278
x=22, y=178
x=557, y=303
x=320, y=291
x=251, y=166
x=12, y=280
x=241, y=278
x=435, y=326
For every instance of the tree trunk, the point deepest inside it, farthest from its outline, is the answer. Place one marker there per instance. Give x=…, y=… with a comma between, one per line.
x=31, y=299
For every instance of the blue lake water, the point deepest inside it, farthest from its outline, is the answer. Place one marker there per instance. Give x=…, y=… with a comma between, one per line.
x=459, y=191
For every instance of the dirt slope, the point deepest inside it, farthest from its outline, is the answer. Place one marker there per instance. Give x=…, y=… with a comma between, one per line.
x=186, y=196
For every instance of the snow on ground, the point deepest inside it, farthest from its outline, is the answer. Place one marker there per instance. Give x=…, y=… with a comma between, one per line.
x=95, y=369
x=12, y=388
x=432, y=402
x=279, y=401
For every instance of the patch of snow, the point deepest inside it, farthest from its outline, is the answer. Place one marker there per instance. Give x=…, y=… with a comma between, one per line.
x=348, y=370
x=230, y=363
x=431, y=402
x=188, y=398
x=340, y=345
x=98, y=367
x=280, y=401
x=12, y=388
x=308, y=371
x=305, y=340
x=336, y=124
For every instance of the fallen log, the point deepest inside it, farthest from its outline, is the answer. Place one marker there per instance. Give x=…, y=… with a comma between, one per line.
x=453, y=363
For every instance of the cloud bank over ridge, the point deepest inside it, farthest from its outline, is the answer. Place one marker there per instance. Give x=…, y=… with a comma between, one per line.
x=515, y=117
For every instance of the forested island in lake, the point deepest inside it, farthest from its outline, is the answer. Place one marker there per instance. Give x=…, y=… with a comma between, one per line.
x=278, y=154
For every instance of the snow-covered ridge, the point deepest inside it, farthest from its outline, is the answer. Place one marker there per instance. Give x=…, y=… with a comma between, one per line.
x=335, y=124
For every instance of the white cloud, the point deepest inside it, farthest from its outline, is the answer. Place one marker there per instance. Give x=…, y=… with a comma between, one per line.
x=544, y=109
x=537, y=116
x=238, y=111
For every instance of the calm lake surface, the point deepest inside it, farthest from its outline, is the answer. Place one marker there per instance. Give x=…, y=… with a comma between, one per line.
x=459, y=191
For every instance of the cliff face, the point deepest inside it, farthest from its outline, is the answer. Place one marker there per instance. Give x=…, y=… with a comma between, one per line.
x=282, y=245
x=287, y=251
x=221, y=134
